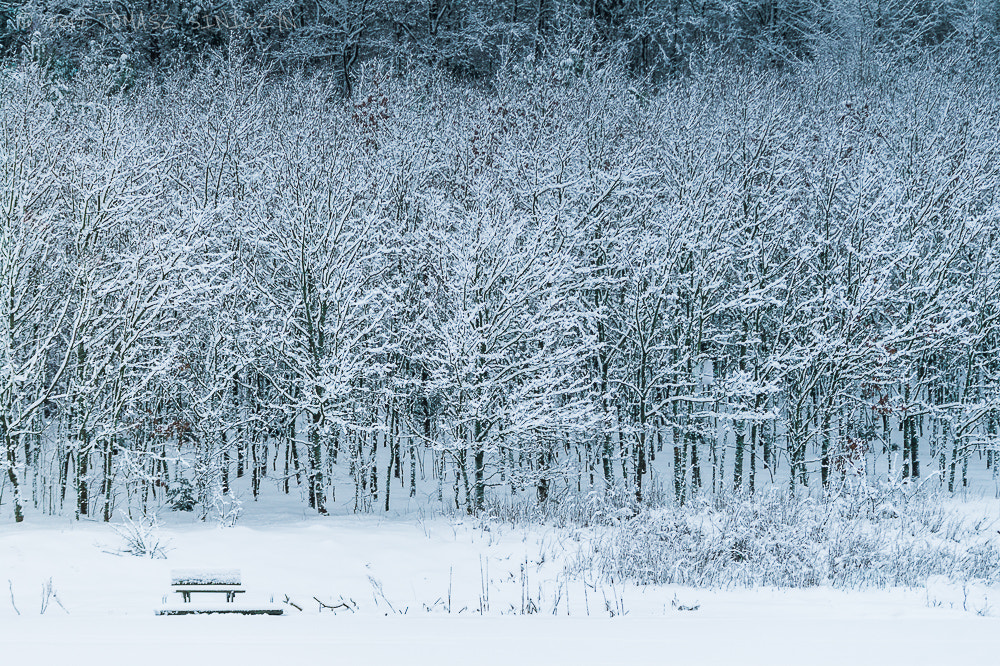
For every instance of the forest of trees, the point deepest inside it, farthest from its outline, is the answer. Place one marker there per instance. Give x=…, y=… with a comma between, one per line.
x=479, y=250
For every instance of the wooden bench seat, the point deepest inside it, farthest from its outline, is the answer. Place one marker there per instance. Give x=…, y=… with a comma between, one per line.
x=229, y=590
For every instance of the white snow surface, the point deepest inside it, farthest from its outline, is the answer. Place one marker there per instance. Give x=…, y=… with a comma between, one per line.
x=398, y=575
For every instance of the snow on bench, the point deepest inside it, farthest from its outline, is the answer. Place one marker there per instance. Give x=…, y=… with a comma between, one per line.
x=205, y=577
x=211, y=581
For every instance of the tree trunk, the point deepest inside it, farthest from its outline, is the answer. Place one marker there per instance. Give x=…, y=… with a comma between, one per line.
x=82, y=498
x=225, y=464
x=825, y=449
x=695, y=465
x=108, y=477
x=317, y=492
x=740, y=428
x=480, y=471
x=10, y=445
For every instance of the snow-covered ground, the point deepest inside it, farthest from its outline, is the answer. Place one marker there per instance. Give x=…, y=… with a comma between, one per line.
x=440, y=590
x=741, y=636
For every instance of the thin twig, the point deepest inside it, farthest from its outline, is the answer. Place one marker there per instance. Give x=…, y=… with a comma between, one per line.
x=10, y=584
x=342, y=604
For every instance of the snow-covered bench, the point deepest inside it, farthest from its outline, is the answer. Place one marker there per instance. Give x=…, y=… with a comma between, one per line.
x=209, y=581
x=212, y=581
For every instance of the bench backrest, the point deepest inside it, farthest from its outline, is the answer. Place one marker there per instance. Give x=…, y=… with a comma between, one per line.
x=205, y=577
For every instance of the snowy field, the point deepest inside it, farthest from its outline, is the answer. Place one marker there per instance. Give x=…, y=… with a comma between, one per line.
x=440, y=591
x=690, y=304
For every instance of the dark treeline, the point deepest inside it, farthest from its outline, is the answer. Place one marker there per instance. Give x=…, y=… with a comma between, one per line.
x=532, y=275
x=472, y=39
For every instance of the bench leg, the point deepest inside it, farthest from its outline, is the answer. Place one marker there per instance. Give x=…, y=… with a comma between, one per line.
x=186, y=597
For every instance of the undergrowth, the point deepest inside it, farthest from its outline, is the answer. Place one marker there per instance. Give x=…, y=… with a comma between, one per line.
x=888, y=535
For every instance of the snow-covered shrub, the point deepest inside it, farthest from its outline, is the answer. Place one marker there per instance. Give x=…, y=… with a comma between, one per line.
x=763, y=543
x=791, y=541
x=609, y=506
x=141, y=537
x=228, y=509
